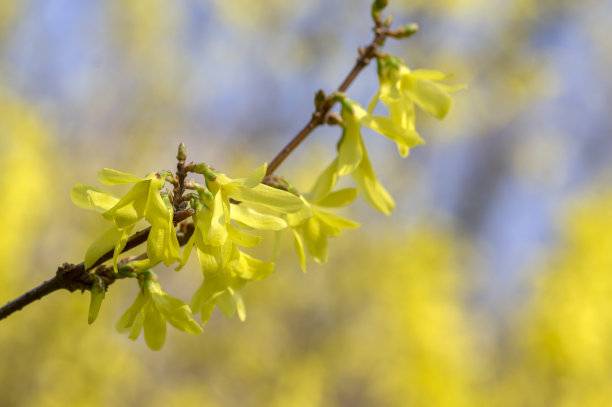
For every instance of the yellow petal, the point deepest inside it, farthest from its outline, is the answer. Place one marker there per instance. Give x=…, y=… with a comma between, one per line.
x=242, y=238
x=373, y=102
x=102, y=245
x=176, y=312
x=297, y=218
x=335, y=221
x=154, y=327
x=251, y=268
x=429, y=75
x=136, y=326
x=255, y=178
x=88, y=197
x=282, y=201
x=325, y=182
x=372, y=192
x=428, y=96
x=315, y=240
x=342, y=197
x=162, y=244
x=256, y=220
x=299, y=248
x=186, y=252
x=113, y=177
x=131, y=208
x=248, y=182
x=226, y=304
x=349, y=152
x=386, y=127
x=212, y=223
x=120, y=245
x=401, y=112
x=213, y=258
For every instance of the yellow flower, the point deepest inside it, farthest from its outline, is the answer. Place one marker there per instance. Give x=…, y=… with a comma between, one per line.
x=151, y=310
x=315, y=228
x=312, y=226
x=142, y=201
x=353, y=158
x=213, y=221
x=226, y=270
x=400, y=89
x=351, y=148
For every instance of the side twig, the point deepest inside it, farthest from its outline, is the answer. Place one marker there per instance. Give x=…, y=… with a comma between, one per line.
x=320, y=114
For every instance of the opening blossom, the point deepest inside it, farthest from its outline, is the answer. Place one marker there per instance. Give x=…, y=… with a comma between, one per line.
x=143, y=201
x=225, y=267
x=151, y=310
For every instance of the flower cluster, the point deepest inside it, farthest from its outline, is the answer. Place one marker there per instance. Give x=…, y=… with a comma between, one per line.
x=228, y=214
x=224, y=213
x=400, y=90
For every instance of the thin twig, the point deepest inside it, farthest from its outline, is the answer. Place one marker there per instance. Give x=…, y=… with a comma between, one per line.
x=319, y=116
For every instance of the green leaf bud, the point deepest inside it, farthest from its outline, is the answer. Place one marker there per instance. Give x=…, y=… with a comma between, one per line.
x=377, y=7
x=98, y=290
x=205, y=170
x=182, y=152
x=405, y=31
x=388, y=21
x=319, y=98
x=196, y=204
x=166, y=199
x=126, y=270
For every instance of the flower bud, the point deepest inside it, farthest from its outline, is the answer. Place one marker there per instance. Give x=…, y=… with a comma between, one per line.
x=206, y=171
x=182, y=152
x=98, y=290
x=377, y=8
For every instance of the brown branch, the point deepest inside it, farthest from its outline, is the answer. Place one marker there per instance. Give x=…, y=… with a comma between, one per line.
x=320, y=114
x=74, y=276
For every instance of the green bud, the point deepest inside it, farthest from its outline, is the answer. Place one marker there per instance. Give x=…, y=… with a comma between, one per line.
x=290, y=188
x=404, y=32
x=166, y=199
x=98, y=289
x=205, y=195
x=165, y=174
x=206, y=171
x=409, y=29
x=196, y=204
x=388, y=21
x=126, y=270
x=147, y=278
x=182, y=152
x=377, y=7
x=319, y=99
x=387, y=64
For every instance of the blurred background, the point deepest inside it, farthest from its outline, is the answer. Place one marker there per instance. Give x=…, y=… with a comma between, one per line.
x=490, y=285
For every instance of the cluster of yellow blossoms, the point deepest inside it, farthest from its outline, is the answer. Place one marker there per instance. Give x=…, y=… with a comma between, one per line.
x=226, y=211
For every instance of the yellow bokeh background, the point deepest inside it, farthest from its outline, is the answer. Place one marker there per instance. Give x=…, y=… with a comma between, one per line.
x=411, y=310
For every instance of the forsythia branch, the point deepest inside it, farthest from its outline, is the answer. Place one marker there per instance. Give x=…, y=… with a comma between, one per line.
x=323, y=107
x=172, y=207
x=74, y=276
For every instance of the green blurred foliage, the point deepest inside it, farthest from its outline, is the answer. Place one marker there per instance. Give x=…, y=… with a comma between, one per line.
x=393, y=320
